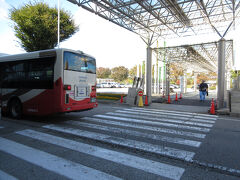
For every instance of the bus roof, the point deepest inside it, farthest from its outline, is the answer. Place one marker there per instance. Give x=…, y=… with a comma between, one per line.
x=38, y=54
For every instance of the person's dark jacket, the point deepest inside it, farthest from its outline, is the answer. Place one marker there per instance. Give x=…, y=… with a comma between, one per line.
x=203, y=87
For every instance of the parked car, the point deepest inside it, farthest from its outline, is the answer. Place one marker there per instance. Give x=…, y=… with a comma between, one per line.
x=99, y=85
x=106, y=84
x=122, y=85
x=115, y=85
x=173, y=86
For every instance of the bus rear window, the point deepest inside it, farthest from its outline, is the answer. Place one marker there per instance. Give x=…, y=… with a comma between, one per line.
x=79, y=62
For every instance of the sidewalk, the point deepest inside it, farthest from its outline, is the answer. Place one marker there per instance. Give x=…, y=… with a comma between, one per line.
x=189, y=103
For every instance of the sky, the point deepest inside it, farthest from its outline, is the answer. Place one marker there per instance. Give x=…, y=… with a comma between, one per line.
x=110, y=44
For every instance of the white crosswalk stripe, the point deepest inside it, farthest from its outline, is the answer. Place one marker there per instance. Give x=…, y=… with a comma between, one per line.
x=51, y=162
x=139, y=134
x=160, y=115
x=6, y=176
x=145, y=127
x=175, y=114
x=152, y=148
x=154, y=123
x=154, y=167
x=159, y=119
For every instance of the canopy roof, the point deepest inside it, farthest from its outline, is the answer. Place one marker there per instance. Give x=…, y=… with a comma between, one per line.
x=152, y=19
x=198, y=57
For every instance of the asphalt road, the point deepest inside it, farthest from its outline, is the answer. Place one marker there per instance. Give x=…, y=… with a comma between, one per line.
x=116, y=141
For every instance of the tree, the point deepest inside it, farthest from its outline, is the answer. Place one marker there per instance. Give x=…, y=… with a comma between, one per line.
x=103, y=72
x=201, y=77
x=119, y=73
x=175, y=72
x=133, y=72
x=234, y=74
x=36, y=26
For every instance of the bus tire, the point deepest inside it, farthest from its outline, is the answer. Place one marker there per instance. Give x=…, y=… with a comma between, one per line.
x=15, y=109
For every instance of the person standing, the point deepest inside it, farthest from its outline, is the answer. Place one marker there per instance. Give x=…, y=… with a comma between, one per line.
x=203, y=90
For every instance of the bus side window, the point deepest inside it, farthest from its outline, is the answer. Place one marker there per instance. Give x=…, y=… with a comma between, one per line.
x=12, y=75
x=40, y=75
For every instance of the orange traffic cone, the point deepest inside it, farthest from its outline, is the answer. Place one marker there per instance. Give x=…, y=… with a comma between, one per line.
x=176, y=98
x=180, y=96
x=169, y=100
x=121, y=100
x=146, y=101
x=212, y=110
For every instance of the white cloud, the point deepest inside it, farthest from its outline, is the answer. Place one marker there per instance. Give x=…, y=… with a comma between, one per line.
x=9, y=44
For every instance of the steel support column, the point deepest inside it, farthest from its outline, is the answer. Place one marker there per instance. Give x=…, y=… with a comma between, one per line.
x=195, y=82
x=182, y=84
x=185, y=81
x=167, y=77
x=228, y=79
x=149, y=75
x=221, y=73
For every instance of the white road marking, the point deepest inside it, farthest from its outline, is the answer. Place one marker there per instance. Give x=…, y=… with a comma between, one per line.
x=178, y=112
x=1, y=127
x=146, y=165
x=154, y=119
x=161, y=116
x=222, y=168
x=161, y=150
x=205, y=117
x=156, y=111
x=154, y=123
x=51, y=162
x=138, y=134
x=5, y=176
x=143, y=127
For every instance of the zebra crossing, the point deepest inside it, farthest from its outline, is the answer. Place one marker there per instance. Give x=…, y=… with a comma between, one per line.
x=171, y=134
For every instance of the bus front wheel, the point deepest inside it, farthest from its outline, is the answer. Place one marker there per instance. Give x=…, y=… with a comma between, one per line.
x=15, y=109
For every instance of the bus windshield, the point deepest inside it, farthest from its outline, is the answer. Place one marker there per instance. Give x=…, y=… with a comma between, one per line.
x=79, y=62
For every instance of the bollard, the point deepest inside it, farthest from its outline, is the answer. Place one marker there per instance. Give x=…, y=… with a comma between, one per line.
x=140, y=103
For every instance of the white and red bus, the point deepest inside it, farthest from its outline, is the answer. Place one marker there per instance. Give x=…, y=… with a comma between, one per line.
x=46, y=82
